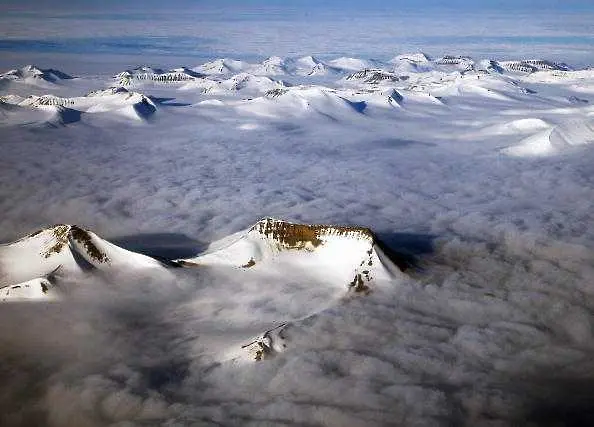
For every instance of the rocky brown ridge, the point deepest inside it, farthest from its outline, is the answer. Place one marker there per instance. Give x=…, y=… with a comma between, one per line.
x=290, y=235
x=64, y=234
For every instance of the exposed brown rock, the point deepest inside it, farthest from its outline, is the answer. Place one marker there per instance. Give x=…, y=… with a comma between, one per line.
x=358, y=285
x=249, y=264
x=305, y=236
x=61, y=234
x=84, y=238
x=262, y=347
x=186, y=263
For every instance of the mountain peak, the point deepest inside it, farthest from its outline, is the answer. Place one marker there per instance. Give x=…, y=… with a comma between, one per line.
x=289, y=235
x=347, y=257
x=33, y=72
x=416, y=57
x=68, y=248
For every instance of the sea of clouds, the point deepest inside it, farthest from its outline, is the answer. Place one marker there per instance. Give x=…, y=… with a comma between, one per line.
x=493, y=325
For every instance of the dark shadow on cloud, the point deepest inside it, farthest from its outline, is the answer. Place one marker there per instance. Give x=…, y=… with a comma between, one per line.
x=162, y=246
x=565, y=402
x=144, y=109
x=290, y=128
x=396, y=143
x=62, y=116
x=359, y=107
x=55, y=75
x=168, y=102
x=406, y=249
x=69, y=115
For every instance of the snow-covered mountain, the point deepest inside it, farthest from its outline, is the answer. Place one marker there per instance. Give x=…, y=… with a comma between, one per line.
x=568, y=134
x=312, y=66
x=330, y=88
x=26, y=264
x=60, y=110
x=32, y=74
x=532, y=65
x=221, y=66
x=250, y=82
x=273, y=66
x=244, y=83
x=411, y=63
x=375, y=76
x=149, y=74
x=302, y=101
x=351, y=64
x=347, y=257
x=344, y=256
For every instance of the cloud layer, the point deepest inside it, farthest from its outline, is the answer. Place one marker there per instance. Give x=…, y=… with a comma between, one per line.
x=492, y=326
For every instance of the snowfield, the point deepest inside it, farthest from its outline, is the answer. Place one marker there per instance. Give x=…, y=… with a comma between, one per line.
x=303, y=241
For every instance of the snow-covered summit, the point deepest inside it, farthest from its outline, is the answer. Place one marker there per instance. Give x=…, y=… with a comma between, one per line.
x=67, y=249
x=311, y=66
x=351, y=64
x=454, y=60
x=533, y=65
x=33, y=73
x=221, y=66
x=243, y=83
x=64, y=110
x=249, y=81
x=109, y=91
x=349, y=257
x=374, y=76
x=273, y=66
x=308, y=61
x=146, y=73
x=418, y=58
x=411, y=63
x=336, y=254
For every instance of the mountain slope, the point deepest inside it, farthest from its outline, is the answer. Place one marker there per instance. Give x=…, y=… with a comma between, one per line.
x=31, y=74
x=68, y=249
x=60, y=111
x=342, y=255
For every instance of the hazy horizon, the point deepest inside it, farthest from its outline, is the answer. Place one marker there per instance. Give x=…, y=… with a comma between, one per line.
x=194, y=32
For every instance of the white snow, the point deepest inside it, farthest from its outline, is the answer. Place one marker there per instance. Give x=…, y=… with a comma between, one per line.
x=221, y=66
x=568, y=134
x=62, y=110
x=336, y=256
x=31, y=290
x=34, y=75
x=350, y=64
x=146, y=74
x=65, y=249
